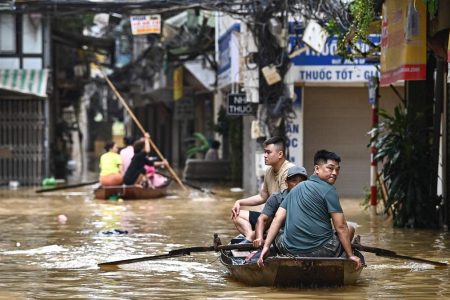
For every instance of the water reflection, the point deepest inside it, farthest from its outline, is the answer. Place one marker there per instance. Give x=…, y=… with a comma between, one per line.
x=41, y=257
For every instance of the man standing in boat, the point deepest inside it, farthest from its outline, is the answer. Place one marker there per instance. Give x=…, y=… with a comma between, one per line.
x=306, y=212
x=274, y=181
x=295, y=175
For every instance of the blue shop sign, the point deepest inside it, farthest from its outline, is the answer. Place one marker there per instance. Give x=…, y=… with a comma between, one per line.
x=228, y=47
x=225, y=49
x=328, y=67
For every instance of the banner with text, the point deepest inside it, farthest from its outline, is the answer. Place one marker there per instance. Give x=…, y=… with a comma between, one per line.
x=145, y=24
x=403, y=41
x=328, y=67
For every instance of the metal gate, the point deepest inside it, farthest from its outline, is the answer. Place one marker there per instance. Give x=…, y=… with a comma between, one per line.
x=23, y=140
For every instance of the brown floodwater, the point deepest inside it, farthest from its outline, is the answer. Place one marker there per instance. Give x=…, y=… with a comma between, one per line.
x=43, y=257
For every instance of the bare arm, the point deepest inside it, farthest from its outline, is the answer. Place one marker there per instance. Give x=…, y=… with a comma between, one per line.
x=340, y=224
x=274, y=228
x=259, y=230
x=147, y=142
x=253, y=200
x=250, y=201
x=162, y=163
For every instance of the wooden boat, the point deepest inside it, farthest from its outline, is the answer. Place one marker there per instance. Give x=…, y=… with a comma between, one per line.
x=282, y=271
x=128, y=192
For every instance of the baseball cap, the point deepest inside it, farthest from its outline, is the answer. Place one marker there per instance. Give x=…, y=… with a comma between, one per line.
x=296, y=171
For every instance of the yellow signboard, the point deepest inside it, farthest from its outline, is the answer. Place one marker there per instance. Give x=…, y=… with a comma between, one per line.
x=448, y=50
x=178, y=83
x=403, y=41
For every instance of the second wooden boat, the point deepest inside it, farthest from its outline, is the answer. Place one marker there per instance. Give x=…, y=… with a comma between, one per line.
x=129, y=192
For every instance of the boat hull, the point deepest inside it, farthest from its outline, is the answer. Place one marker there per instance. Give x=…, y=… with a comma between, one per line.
x=131, y=192
x=282, y=271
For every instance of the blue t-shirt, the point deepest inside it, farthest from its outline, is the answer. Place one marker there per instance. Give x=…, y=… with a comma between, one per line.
x=308, y=207
x=274, y=201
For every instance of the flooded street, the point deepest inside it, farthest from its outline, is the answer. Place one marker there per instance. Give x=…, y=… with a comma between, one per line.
x=43, y=257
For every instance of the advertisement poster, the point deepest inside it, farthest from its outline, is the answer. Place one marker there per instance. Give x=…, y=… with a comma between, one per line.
x=403, y=41
x=145, y=24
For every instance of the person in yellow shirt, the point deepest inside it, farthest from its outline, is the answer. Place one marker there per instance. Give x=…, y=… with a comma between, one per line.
x=111, y=169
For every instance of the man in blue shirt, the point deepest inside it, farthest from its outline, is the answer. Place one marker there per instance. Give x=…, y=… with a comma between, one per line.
x=306, y=212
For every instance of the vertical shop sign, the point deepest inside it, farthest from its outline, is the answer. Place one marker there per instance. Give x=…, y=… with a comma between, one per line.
x=178, y=83
x=294, y=131
x=238, y=105
x=403, y=41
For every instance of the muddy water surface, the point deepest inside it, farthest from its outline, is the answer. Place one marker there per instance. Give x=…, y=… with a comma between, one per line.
x=43, y=257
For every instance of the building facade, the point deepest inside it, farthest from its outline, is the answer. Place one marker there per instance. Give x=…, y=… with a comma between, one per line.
x=24, y=101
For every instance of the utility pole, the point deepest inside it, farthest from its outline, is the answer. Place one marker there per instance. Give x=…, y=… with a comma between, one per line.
x=373, y=100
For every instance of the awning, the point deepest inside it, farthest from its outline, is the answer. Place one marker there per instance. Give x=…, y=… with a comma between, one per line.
x=30, y=82
x=205, y=75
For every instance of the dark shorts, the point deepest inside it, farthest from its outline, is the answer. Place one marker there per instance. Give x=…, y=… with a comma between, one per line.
x=332, y=248
x=253, y=218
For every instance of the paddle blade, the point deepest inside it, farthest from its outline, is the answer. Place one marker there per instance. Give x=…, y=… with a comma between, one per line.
x=108, y=268
x=392, y=254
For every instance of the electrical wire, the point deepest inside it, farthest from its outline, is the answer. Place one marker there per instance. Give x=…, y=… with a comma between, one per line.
x=255, y=13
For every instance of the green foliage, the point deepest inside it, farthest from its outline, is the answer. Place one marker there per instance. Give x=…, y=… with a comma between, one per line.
x=432, y=6
x=405, y=165
x=201, y=145
x=363, y=14
x=231, y=128
x=222, y=122
x=74, y=23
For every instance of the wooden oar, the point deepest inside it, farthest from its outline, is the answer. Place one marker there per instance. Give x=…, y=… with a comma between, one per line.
x=138, y=124
x=67, y=186
x=189, y=184
x=392, y=254
x=179, y=252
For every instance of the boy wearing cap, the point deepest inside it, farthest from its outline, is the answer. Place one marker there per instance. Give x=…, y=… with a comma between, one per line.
x=295, y=175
